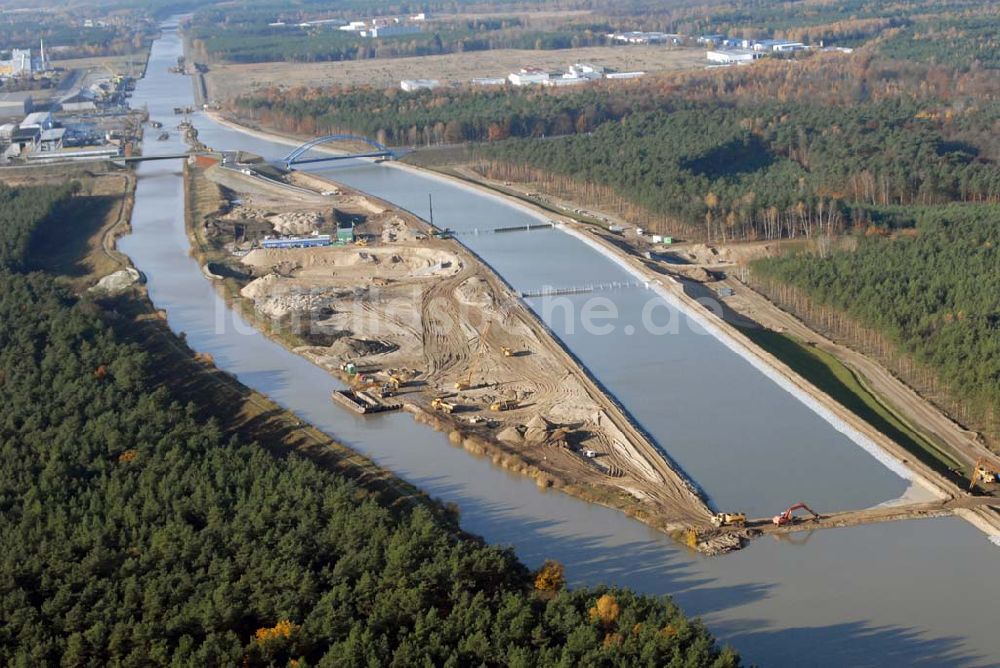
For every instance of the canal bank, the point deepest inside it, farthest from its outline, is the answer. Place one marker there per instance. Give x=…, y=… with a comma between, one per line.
x=854, y=596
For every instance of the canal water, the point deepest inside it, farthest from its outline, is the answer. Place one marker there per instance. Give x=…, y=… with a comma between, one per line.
x=909, y=593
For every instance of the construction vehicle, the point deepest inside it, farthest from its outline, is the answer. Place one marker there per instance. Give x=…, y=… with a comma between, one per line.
x=361, y=241
x=380, y=390
x=787, y=517
x=729, y=519
x=440, y=404
x=984, y=472
x=466, y=383
x=501, y=405
x=507, y=352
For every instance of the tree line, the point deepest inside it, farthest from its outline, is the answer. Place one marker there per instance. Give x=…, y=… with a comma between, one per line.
x=135, y=533
x=776, y=170
x=930, y=289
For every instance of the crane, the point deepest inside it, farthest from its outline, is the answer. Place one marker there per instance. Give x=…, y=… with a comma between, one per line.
x=984, y=472
x=467, y=383
x=787, y=518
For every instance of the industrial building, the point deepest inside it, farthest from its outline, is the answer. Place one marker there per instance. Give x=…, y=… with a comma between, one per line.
x=51, y=140
x=16, y=104
x=734, y=57
x=636, y=37
x=22, y=63
x=314, y=241
x=528, y=76
x=410, y=85
x=40, y=120
x=390, y=31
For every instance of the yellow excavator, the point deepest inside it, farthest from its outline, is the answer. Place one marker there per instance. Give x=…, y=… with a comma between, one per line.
x=984, y=472
x=466, y=383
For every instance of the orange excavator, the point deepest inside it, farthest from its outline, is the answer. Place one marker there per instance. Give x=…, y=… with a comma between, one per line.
x=787, y=517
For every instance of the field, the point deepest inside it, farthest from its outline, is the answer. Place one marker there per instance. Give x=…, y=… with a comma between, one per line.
x=227, y=81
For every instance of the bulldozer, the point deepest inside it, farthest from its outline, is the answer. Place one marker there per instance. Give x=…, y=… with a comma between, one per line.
x=788, y=517
x=729, y=519
x=440, y=404
x=984, y=472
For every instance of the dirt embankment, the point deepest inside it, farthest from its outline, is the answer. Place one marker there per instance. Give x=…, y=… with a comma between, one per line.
x=396, y=301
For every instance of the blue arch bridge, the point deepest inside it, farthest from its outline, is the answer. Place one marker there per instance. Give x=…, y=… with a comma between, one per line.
x=296, y=157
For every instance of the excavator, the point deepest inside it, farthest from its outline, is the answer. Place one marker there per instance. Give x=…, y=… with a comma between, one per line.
x=787, y=516
x=984, y=472
x=466, y=383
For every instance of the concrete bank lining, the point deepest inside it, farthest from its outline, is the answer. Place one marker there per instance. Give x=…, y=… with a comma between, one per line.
x=771, y=367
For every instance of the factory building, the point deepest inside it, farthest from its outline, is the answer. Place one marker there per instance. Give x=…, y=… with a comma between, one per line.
x=314, y=241
x=528, y=76
x=733, y=57
x=22, y=63
x=410, y=85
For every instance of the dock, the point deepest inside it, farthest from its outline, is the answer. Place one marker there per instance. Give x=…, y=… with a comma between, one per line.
x=363, y=403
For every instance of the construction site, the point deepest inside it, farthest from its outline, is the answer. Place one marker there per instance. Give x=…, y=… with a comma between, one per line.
x=409, y=319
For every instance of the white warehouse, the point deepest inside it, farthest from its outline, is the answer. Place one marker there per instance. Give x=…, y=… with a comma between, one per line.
x=731, y=57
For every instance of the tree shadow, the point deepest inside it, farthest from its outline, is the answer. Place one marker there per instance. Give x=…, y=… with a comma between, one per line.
x=61, y=244
x=856, y=644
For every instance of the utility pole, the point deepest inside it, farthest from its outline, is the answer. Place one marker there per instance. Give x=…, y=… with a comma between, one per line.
x=430, y=205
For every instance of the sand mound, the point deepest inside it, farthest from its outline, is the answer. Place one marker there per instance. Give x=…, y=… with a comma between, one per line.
x=538, y=422
x=117, y=282
x=351, y=348
x=511, y=435
x=260, y=287
x=297, y=222
x=474, y=292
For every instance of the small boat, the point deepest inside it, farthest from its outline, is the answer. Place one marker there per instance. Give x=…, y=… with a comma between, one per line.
x=164, y=136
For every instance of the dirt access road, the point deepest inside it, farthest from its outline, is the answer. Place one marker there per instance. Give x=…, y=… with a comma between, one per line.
x=427, y=310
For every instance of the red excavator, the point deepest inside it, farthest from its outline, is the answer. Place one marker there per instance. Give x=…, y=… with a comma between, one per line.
x=787, y=517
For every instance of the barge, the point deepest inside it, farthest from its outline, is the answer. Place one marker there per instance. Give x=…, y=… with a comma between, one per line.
x=363, y=402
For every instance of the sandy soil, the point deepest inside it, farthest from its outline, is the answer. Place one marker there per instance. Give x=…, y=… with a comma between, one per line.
x=226, y=81
x=427, y=310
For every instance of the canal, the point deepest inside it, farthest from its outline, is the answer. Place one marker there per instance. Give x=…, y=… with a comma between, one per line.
x=905, y=593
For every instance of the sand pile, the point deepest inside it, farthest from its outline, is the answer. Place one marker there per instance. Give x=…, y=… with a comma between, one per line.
x=296, y=222
x=274, y=297
x=474, y=292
